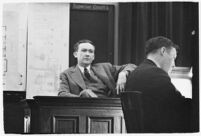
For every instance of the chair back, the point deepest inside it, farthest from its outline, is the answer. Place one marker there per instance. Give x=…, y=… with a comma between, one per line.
x=145, y=113
x=133, y=112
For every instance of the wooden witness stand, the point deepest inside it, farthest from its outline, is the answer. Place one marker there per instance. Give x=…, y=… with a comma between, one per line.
x=53, y=114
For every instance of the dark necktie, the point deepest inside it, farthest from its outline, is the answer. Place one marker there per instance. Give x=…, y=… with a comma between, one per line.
x=86, y=73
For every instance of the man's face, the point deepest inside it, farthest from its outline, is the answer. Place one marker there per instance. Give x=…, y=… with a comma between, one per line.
x=84, y=54
x=169, y=57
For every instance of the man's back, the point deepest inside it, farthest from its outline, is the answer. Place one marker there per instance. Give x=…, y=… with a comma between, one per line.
x=162, y=104
x=150, y=79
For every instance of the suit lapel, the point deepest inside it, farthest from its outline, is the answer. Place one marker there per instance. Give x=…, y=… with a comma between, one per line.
x=77, y=77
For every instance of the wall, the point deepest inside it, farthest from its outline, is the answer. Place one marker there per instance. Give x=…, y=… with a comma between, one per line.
x=14, y=46
x=36, y=46
x=181, y=77
x=48, y=43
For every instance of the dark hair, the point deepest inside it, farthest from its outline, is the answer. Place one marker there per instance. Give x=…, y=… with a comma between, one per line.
x=76, y=45
x=157, y=42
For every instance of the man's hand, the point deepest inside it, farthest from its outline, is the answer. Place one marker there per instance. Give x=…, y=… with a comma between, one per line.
x=87, y=93
x=121, y=81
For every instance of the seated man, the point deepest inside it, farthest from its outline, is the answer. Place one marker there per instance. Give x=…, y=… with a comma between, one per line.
x=92, y=80
x=151, y=78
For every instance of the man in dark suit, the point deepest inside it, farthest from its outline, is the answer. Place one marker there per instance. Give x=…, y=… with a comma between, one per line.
x=152, y=78
x=92, y=80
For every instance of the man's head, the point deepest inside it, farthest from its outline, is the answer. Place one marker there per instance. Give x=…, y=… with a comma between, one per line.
x=84, y=52
x=163, y=51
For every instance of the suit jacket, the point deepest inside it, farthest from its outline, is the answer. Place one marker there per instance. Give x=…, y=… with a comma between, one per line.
x=72, y=81
x=151, y=80
x=164, y=107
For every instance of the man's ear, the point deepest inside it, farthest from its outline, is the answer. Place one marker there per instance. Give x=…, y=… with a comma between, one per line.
x=162, y=50
x=75, y=54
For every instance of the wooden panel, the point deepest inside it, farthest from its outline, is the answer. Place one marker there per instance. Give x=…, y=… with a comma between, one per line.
x=119, y=125
x=76, y=115
x=65, y=124
x=123, y=125
x=13, y=112
x=100, y=125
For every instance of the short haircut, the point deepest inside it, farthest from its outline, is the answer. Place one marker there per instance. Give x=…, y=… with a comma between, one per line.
x=76, y=45
x=157, y=42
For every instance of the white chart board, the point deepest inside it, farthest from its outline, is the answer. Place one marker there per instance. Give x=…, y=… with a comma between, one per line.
x=48, y=47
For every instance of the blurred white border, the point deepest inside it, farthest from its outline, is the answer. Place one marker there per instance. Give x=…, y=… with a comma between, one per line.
x=85, y=1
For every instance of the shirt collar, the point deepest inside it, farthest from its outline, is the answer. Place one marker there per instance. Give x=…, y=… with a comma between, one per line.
x=82, y=68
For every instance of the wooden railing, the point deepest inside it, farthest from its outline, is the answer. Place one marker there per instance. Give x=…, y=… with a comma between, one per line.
x=50, y=114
